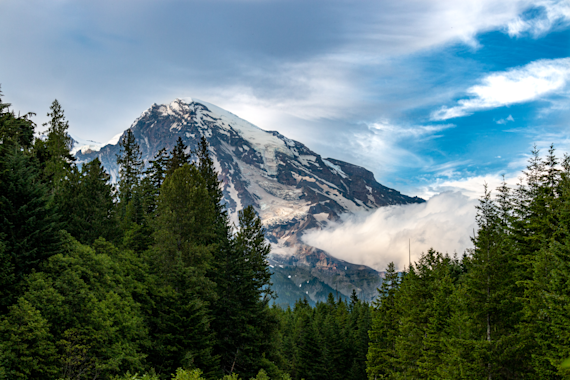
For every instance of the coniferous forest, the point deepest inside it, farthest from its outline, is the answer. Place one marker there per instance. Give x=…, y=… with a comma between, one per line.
x=148, y=279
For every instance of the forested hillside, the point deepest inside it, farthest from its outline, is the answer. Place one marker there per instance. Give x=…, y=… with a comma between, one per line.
x=149, y=280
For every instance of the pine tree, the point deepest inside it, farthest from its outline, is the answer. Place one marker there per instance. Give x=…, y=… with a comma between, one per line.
x=308, y=361
x=384, y=329
x=15, y=130
x=27, y=349
x=55, y=152
x=151, y=183
x=210, y=175
x=87, y=198
x=178, y=157
x=246, y=326
x=185, y=222
x=181, y=257
x=546, y=294
x=29, y=228
x=130, y=168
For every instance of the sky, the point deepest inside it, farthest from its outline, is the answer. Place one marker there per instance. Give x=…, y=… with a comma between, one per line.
x=432, y=96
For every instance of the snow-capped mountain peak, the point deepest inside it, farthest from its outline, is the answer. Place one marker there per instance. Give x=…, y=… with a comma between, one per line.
x=292, y=188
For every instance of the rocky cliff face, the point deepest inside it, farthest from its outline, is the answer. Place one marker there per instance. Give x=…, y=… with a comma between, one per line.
x=292, y=188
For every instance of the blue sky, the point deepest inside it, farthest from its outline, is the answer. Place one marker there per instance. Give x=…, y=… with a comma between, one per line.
x=430, y=95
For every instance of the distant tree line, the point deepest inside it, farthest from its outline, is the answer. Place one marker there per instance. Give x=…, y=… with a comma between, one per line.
x=149, y=279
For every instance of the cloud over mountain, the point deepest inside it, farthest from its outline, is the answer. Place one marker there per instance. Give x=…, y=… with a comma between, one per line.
x=445, y=223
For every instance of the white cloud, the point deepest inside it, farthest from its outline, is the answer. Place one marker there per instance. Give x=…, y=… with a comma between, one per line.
x=473, y=187
x=388, y=145
x=506, y=120
x=534, y=81
x=444, y=223
x=551, y=13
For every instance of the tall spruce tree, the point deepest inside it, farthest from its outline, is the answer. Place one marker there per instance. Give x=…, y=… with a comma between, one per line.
x=87, y=200
x=130, y=164
x=15, y=130
x=137, y=233
x=29, y=228
x=384, y=329
x=54, y=153
x=181, y=258
x=178, y=157
x=151, y=183
x=246, y=326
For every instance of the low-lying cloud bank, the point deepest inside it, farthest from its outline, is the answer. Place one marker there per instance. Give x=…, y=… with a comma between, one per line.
x=444, y=223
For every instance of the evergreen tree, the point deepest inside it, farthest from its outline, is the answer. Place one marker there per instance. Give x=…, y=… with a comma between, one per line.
x=384, y=329
x=27, y=349
x=130, y=168
x=15, y=130
x=308, y=361
x=210, y=175
x=131, y=208
x=54, y=153
x=29, y=229
x=178, y=157
x=151, y=183
x=185, y=221
x=87, y=198
x=247, y=324
x=181, y=258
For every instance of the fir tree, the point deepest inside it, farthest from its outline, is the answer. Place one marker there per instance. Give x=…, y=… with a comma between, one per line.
x=178, y=157
x=130, y=168
x=55, y=152
x=15, y=130
x=29, y=228
x=384, y=329
x=87, y=199
x=245, y=329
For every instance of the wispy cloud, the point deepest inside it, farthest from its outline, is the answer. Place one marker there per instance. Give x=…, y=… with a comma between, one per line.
x=473, y=186
x=505, y=120
x=548, y=14
x=444, y=223
x=390, y=145
x=534, y=81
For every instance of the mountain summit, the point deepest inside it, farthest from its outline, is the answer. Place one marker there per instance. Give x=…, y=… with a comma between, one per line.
x=292, y=188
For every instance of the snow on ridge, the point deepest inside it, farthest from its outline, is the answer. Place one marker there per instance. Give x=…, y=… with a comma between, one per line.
x=115, y=139
x=263, y=141
x=84, y=145
x=336, y=168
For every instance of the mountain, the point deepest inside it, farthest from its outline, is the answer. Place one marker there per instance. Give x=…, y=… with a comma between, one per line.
x=292, y=188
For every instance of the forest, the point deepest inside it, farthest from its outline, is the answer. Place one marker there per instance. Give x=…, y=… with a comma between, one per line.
x=147, y=278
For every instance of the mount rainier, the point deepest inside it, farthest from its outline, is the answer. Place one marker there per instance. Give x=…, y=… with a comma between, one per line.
x=292, y=188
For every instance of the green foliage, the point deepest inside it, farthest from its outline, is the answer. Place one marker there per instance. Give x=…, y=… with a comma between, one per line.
x=29, y=228
x=261, y=375
x=185, y=222
x=54, y=153
x=233, y=376
x=130, y=166
x=246, y=324
x=15, y=130
x=96, y=324
x=88, y=201
x=502, y=311
x=26, y=345
x=384, y=328
x=178, y=158
x=182, y=374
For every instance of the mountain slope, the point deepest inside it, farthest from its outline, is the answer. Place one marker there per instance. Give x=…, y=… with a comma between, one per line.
x=292, y=188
